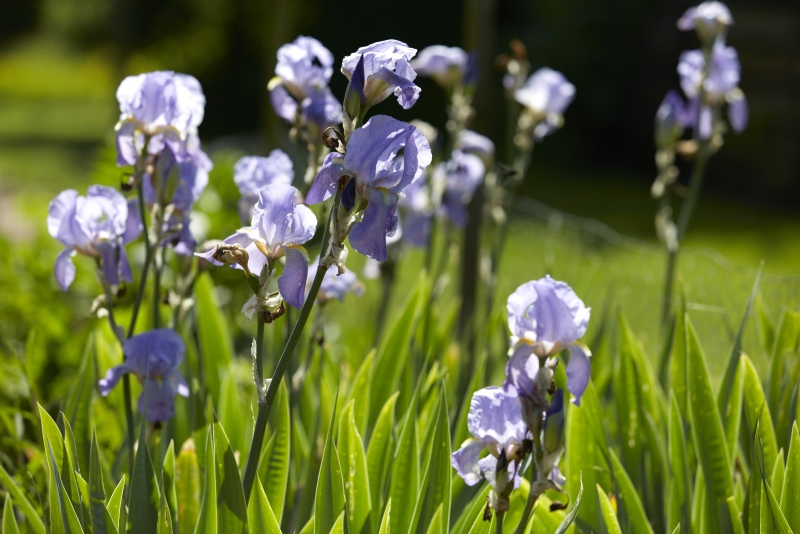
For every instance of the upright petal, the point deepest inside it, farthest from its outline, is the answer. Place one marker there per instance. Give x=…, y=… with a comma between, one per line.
x=578, y=371
x=521, y=371
x=496, y=418
x=154, y=354
x=65, y=269
x=61, y=219
x=406, y=90
x=292, y=282
x=302, y=226
x=465, y=461
x=282, y=102
x=126, y=145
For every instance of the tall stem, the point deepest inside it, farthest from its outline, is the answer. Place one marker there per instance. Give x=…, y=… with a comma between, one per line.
x=695, y=184
x=529, y=504
x=148, y=258
x=158, y=258
x=265, y=407
x=498, y=522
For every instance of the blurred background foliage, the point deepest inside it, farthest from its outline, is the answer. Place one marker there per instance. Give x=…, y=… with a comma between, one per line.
x=61, y=61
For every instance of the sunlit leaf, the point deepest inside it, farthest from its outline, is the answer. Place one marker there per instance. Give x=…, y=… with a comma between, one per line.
x=260, y=518
x=379, y=453
x=353, y=461
x=628, y=498
x=274, y=467
x=187, y=487
x=9, y=521
x=212, y=332
x=330, y=496
x=144, y=498
x=609, y=515
x=231, y=504
x=34, y=521
x=790, y=494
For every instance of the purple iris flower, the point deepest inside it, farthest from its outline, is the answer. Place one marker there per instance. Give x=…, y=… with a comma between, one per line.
x=475, y=143
x=334, y=286
x=378, y=178
x=253, y=173
x=495, y=421
x=546, y=94
x=98, y=225
x=153, y=358
x=386, y=71
x=721, y=84
x=163, y=106
x=301, y=81
x=462, y=175
x=448, y=66
x=417, y=213
x=710, y=19
x=186, y=179
x=278, y=228
x=545, y=316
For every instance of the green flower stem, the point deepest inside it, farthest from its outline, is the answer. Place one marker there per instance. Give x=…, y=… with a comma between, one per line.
x=529, y=504
x=498, y=519
x=148, y=258
x=158, y=259
x=265, y=407
x=695, y=184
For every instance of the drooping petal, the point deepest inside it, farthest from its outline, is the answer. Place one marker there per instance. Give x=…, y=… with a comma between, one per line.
x=109, y=258
x=113, y=375
x=578, y=371
x=738, y=112
x=65, y=269
x=133, y=226
x=157, y=401
x=320, y=107
x=369, y=236
x=292, y=282
x=465, y=461
x=124, y=266
x=177, y=383
x=488, y=466
x=406, y=90
x=324, y=186
x=495, y=417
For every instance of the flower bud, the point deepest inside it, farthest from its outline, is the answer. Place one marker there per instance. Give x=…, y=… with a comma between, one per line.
x=668, y=124
x=231, y=255
x=554, y=423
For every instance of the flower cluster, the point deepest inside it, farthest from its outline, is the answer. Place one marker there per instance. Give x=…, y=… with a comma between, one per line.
x=709, y=78
x=545, y=97
x=526, y=415
x=98, y=225
x=299, y=92
x=448, y=66
x=277, y=230
x=153, y=358
x=373, y=177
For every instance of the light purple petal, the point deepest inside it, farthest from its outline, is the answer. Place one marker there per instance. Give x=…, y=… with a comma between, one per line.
x=282, y=102
x=496, y=418
x=369, y=236
x=133, y=225
x=65, y=268
x=521, y=371
x=109, y=260
x=546, y=91
x=416, y=228
x=547, y=311
x=407, y=92
x=304, y=63
x=61, y=219
x=320, y=107
x=705, y=123
x=578, y=371
x=475, y=143
x=113, y=375
x=292, y=282
x=124, y=266
x=126, y=146
x=738, y=112
x=465, y=461
x=324, y=186
x=154, y=354
x=253, y=173
x=157, y=400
